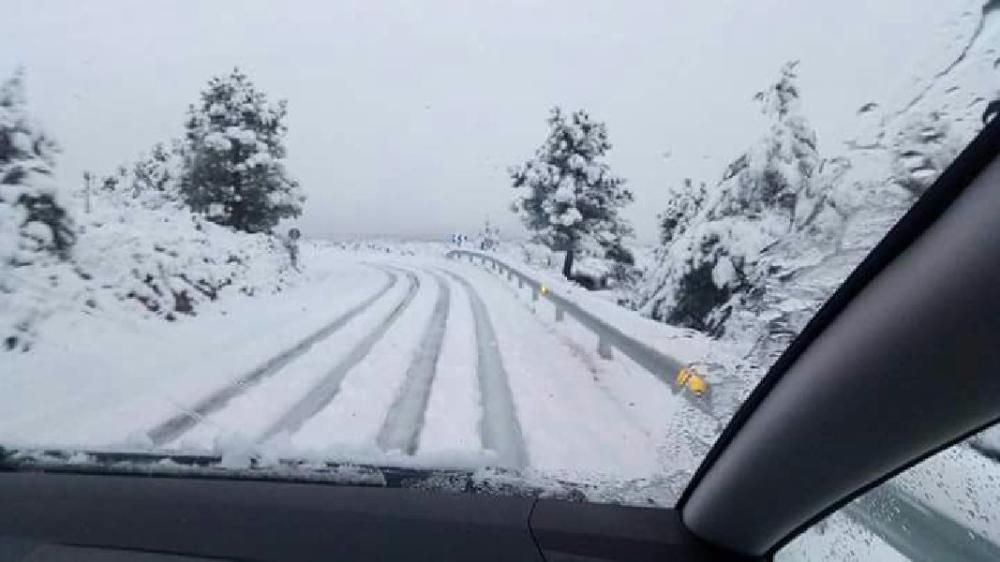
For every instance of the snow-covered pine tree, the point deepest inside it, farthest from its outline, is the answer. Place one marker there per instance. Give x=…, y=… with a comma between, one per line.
x=683, y=204
x=611, y=239
x=489, y=238
x=717, y=259
x=115, y=182
x=783, y=163
x=152, y=173
x=233, y=150
x=33, y=224
x=156, y=177
x=571, y=193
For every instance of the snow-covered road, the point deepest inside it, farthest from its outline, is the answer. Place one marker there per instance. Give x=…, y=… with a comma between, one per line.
x=363, y=388
x=395, y=359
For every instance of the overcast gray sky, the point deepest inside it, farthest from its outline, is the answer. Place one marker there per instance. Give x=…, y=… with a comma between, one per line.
x=403, y=116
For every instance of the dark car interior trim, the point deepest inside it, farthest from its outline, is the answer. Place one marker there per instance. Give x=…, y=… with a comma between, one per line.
x=287, y=522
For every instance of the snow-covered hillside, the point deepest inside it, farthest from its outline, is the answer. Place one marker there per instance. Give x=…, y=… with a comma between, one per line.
x=155, y=263
x=133, y=245
x=753, y=256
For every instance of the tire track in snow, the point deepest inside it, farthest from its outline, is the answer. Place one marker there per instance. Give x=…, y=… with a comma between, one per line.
x=328, y=387
x=405, y=419
x=451, y=421
x=598, y=373
x=569, y=424
x=499, y=427
x=179, y=424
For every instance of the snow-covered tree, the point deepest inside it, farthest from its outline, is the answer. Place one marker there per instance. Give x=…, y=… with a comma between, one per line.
x=683, y=204
x=612, y=239
x=570, y=195
x=781, y=166
x=156, y=177
x=489, y=238
x=33, y=223
x=715, y=260
x=233, y=151
x=116, y=180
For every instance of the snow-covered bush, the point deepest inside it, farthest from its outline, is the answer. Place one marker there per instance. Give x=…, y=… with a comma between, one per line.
x=233, y=151
x=168, y=261
x=536, y=254
x=571, y=201
x=133, y=247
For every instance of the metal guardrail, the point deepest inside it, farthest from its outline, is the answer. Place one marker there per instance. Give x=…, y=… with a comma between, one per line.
x=918, y=531
x=664, y=367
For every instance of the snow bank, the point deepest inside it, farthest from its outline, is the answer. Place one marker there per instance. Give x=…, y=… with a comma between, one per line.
x=134, y=259
x=168, y=261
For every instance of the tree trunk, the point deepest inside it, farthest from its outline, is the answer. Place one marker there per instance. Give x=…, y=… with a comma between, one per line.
x=568, y=265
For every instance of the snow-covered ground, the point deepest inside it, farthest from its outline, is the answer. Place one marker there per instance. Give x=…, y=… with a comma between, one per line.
x=381, y=363
x=103, y=378
x=117, y=381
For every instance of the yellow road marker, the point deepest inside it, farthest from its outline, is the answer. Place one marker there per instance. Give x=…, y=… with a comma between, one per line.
x=687, y=377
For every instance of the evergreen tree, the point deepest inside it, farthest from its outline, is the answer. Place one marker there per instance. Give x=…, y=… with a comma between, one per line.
x=683, y=205
x=232, y=158
x=777, y=171
x=489, y=238
x=152, y=173
x=33, y=223
x=156, y=177
x=571, y=194
x=717, y=259
x=115, y=181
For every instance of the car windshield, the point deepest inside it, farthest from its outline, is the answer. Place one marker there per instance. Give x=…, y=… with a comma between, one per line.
x=537, y=245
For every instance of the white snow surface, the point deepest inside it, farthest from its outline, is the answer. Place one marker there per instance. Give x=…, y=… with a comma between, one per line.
x=97, y=379
x=102, y=380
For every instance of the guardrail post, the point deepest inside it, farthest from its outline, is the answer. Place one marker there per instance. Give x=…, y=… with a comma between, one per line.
x=560, y=313
x=534, y=294
x=520, y=282
x=510, y=275
x=604, y=348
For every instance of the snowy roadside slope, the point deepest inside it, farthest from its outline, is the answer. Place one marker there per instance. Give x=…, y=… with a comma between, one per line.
x=97, y=369
x=140, y=261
